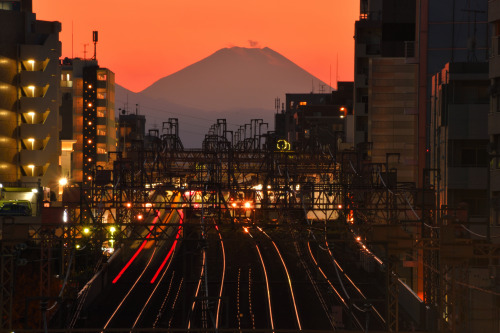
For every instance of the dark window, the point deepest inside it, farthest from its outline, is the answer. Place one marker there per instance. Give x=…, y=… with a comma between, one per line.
x=468, y=153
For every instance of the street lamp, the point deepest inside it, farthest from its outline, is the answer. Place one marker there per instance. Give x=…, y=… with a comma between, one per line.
x=63, y=181
x=32, y=167
x=32, y=143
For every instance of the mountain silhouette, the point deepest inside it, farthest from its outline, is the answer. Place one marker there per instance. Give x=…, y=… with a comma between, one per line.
x=238, y=84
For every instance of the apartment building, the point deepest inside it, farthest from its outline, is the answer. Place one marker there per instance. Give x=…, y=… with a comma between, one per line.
x=29, y=96
x=88, y=117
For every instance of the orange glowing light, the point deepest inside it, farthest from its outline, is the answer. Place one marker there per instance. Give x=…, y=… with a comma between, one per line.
x=233, y=204
x=140, y=217
x=128, y=205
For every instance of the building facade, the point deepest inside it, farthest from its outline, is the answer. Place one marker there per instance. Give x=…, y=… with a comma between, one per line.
x=313, y=120
x=386, y=28
x=459, y=138
x=392, y=116
x=88, y=117
x=29, y=96
x=494, y=114
x=448, y=31
x=132, y=130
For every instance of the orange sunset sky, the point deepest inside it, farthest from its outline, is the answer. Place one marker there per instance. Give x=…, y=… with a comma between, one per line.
x=143, y=41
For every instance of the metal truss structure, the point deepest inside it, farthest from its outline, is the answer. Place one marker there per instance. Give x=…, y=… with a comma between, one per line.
x=250, y=173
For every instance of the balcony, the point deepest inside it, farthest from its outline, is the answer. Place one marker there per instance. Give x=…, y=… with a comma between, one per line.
x=35, y=52
x=102, y=158
x=41, y=104
x=37, y=131
x=101, y=139
x=101, y=121
x=36, y=78
x=102, y=103
x=36, y=157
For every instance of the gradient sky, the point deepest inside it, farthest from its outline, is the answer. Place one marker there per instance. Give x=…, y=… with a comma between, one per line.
x=143, y=41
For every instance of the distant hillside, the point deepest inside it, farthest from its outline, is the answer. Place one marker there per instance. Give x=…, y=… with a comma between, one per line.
x=237, y=84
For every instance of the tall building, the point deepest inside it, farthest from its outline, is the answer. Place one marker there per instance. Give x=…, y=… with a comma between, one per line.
x=448, y=31
x=385, y=87
x=459, y=139
x=386, y=28
x=29, y=96
x=88, y=117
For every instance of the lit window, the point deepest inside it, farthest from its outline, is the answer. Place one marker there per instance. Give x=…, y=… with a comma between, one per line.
x=303, y=103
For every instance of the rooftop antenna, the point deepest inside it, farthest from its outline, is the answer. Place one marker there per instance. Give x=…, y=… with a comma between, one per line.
x=330, y=78
x=137, y=109
x=72, y=38
x=337, y=73
x=95, y=38
x=85, y=51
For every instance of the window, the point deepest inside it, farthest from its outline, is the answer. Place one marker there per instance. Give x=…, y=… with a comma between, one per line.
x=468, y=153
x=470, y=92
x=101, y=95
x=66, y=80
x=10, y=5
x=102, y=76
